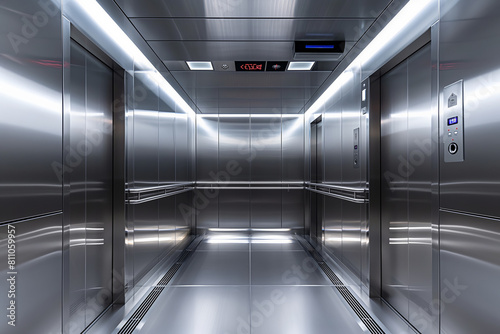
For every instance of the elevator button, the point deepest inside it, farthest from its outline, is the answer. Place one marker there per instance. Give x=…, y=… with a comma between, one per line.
x=456, y=133
x=449, y=134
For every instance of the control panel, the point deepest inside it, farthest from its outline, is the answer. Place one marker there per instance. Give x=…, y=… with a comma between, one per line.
x=453, y=123
x=355, y=161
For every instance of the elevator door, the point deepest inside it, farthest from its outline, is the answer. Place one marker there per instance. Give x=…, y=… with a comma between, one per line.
x=89, y=176
x=406, y=188
x=316, y=176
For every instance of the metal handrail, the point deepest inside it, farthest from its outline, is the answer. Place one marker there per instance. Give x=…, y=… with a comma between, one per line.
x=345, y=198
x=158, y=188
x=249, y=182
x=339, y=188
x=252, y=188
x=154, y=198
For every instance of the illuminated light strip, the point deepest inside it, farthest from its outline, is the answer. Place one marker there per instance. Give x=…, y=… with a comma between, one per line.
x=102, y=19
x=403, y=19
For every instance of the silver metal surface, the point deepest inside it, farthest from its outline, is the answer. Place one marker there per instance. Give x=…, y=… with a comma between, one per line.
x=166, y=224
x=89, y=209
x=31, y=121
x=469, y=190
x=219, y=290
x=245, y=29
x=452, y=133
x=265, y=208
x=166, y=147
x=182, y=148
x=265, y=153
x=292, y=209
x=99, y=187
x=146, y=242
x=469, y=267
x=261, y=8
x=419, y=189
x=207, y=145
x=292, y=148
x=406, y=188
x=234, y=208
x=234, y=149
x=146, y=122
x=472, y=186
x=38, y=277
x=394, y=200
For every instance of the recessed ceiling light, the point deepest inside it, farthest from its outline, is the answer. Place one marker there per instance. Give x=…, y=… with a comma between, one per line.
x=300, y=65
x=200, y=65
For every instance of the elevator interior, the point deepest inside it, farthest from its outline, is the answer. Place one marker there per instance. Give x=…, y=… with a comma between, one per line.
x=120, y=167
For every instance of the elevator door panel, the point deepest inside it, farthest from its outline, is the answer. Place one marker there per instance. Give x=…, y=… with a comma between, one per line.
x=90, y=183
x=406, y=187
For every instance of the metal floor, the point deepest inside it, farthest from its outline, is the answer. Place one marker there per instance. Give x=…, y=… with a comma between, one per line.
x=248, y=283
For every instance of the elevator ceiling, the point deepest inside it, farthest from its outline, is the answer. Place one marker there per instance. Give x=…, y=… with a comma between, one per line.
x=224, y=31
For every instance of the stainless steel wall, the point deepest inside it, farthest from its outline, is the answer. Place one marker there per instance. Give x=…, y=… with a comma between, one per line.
x=406, y=137
x=344, y=222
x=469, y=214
x=31, y=122
x=88, y=208
x=260, y=149
x=159, y=153
x=31, y=162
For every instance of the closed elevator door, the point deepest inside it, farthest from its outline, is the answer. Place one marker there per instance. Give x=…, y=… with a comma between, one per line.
x=89, y=176
x=406, y=188
x=316, y=176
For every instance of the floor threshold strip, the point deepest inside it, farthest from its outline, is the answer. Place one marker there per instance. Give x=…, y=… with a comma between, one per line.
x=355, y=305
x=148, y=302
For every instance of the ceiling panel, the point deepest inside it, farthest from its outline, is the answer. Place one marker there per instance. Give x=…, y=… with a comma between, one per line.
x=203, y=80
x=224, y=31
x=226, y=51
x=169, y=29
x=253, y=8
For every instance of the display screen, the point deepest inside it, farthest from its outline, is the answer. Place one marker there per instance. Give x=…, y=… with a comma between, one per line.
x=276, y=66
x=251, y=66
x=320, y=46
x=452, y=121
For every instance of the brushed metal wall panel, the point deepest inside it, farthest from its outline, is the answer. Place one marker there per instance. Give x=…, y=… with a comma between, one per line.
x=166, y=147
x=31, y=121
x=181, y=148
x=265, y=208
x=351, y=119
x=394, y=202
x=146, y=243
x=228, y=29
x=469, y=270
x=292, y=148
x=293, y=209
x=234, y=208
x=207, y=207
x=77, y=185
x=261, y=8
x=234, y=148
x=166, y=224
x=207, y=152
x=333, y=225
x=145, y=132
x=184, y=222
x=39, y=276
x=351, y=236
x=419, y=189
x=265, y=148
x=473, y=185
x=333, y=141
x=99, y=187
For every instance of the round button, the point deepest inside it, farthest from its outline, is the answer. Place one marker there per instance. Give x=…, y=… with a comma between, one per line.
x=453, y=148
